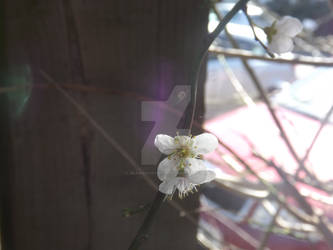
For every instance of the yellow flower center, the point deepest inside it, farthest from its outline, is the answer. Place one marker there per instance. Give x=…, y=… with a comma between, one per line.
x=184, y=152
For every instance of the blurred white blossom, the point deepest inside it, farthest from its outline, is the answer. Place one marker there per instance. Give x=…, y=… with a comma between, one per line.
x=183, y=169
x=281, y=33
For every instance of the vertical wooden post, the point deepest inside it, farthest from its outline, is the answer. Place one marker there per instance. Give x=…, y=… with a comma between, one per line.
x=70, y=197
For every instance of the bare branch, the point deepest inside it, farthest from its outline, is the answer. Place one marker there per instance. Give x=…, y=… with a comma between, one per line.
x=269, y=230
x=268, y=103
x=255, y=34
x=322, y=125
x=194, y=76
x=244, y=54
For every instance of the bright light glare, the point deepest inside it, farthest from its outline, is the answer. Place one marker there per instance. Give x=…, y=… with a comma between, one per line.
x=253, y=10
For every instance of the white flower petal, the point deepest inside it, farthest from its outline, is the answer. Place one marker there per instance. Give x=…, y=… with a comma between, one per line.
x=289, y=26
x=167, y=187
x=167, y=169
x=281, y=44
x=166, y=144
x=194, y=165
x=202, y=177
x=204, y=143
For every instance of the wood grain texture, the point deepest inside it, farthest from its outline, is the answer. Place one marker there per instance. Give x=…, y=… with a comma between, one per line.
x=68, y=184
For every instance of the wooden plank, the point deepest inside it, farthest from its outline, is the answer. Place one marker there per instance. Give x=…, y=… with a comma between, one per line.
x=70, y=188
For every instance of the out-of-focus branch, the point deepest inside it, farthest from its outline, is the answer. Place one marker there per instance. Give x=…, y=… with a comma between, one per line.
x=321, y=225
x=269, y=230
x=280, y=199
x=244, y=96
x=311, y=219
x=255, y=34
x=323, y=228
x=194, y=76
x=241, y=4
x=244, y=54
x=289, y=185
x=267, y=101
x=323, y=122
x=305, y=181
x=143, y=231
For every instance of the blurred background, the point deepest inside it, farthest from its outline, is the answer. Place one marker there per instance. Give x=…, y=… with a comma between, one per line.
x=240, y=113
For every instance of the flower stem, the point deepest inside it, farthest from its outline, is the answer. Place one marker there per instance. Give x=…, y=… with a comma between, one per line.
x=142, y=234
x=128, y=212
x=255, y=34
x=194, y=77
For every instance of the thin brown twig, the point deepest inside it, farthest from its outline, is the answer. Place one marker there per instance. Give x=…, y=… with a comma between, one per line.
x=261, y=90
x=271, y=110
x=269, y=230
x=105, y=134
x=305, y=60
x=323, y=122
x=313, y=220
x=255, y=34
x=255, y=153
x=77, y=87
x=301, y=216
x=4, y=90
x=238, y=230
x=289, y=185
x=142, y=233
x=322, y=226
x=194, y=76
x=229, y=223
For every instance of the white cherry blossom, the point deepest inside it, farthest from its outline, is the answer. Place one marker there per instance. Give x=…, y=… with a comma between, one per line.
x=183, y=169
x=281, y=33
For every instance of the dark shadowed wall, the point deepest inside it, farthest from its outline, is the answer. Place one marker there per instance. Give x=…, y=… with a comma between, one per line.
x=64, y=186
